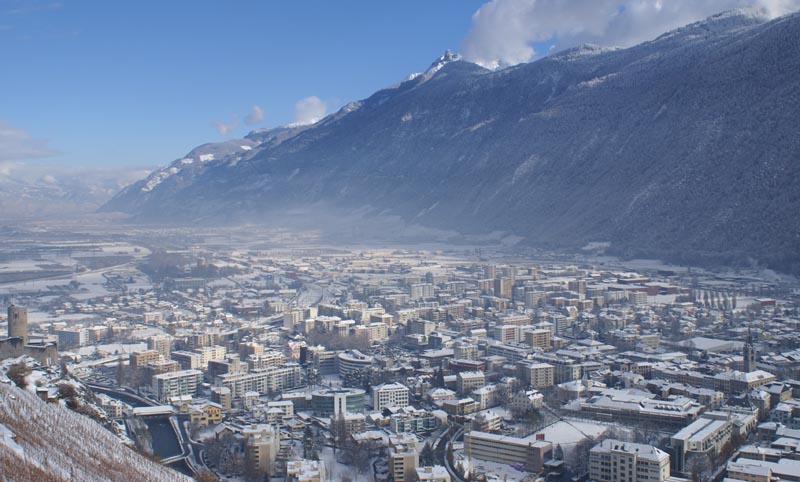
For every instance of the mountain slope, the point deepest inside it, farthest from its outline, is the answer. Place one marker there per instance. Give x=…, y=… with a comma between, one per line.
x=47, y=442
x=684, y=147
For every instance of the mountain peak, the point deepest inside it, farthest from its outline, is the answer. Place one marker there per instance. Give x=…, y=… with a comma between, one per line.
x=443, y=59
x=440, y=62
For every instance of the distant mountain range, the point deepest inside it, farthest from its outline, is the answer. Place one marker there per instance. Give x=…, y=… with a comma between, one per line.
x=44, y=191
x=684, y=148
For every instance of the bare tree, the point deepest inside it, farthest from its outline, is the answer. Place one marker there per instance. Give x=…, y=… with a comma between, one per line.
x=578, y=462
x=699, y=467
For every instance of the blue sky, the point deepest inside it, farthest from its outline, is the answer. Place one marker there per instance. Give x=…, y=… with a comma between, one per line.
x=107, y=83
x=140, y=83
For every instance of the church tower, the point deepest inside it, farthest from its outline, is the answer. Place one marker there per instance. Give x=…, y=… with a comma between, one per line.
x=749, y=354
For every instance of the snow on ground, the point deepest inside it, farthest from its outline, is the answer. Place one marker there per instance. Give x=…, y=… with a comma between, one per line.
x=567, y=433
x=34, y=380
x=37, y=317
x=498, y=472
x=7, y=439
x=113, y=349
x=334, y=469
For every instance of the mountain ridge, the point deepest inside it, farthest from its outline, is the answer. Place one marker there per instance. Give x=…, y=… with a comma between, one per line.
x=681, y=148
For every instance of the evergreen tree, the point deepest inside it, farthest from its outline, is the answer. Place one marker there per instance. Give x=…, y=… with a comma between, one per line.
x=308, y=444
x=439, y=380
x=426, y=456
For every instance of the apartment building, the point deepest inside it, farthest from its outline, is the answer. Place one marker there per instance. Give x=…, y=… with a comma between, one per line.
x=469, y=381
x=616, y=461
x=389, y=394
x=263, y=381
x=184, y=382
x=261, y=445
x=502, y=449
x=403, y=457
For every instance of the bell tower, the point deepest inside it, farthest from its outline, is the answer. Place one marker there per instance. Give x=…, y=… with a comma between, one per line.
x=749, y=354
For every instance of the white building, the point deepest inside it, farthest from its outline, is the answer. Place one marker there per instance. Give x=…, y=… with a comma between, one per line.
x=389, y=394
x=184, y=382
x=305, y=471
x=614, y=460
x=469, y=381
x=436, y=473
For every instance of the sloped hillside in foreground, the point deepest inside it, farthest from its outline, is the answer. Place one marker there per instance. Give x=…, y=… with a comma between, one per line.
x=48, y=443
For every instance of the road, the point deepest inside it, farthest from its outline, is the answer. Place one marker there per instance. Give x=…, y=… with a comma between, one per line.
x=440, y=450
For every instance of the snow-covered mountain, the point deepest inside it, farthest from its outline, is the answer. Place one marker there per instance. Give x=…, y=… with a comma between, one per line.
x=684, y=147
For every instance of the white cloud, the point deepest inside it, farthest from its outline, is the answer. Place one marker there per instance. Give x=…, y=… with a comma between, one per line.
x=226, y=128
x=309, y=110
x=17, y=145
x=503, y=31
x=255, y=116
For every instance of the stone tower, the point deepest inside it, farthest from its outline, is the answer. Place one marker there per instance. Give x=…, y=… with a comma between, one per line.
x=18, y=323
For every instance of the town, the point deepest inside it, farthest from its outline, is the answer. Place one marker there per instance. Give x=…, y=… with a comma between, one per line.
x=277, y=356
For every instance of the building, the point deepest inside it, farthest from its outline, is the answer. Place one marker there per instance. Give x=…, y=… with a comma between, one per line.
x=460, y=407
x=614, y=461
x=487, y=421
x=412, y=420
x=184, y=382
x=279, y=412
x=527, y=400
x=421, y=291
x=205, y=414
x=537, y=375
x=69, y=338
x=420, y=327
x=403, y=457
x=705, y=436
x=436, y=473
x=222, y=395
x=269, y=380
x=506, y=333
x=528, y=452
x=261, y=446
x=488, y=396
x=161, y=344
x=18, y=323
x=143, y=358
x=538, y=338
x=389, y=394
x=638, y=406
x=352, y=361
x=188, y=360
x=113, y=408
x=45, y=351
x=564, y=369
x=265, y=359
x=305, y=471
x=469, y=381
x=503, y=287
x=749, y=354
x=208, y=353
x=465, y=351
x=331, y=402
